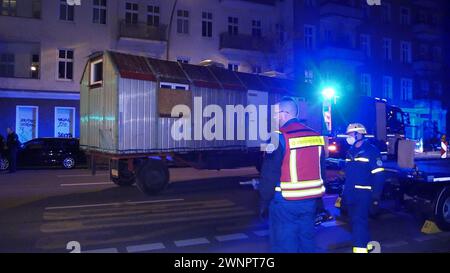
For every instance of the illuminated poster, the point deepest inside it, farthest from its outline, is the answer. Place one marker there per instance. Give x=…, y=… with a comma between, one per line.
x=26, y=122
x=64, y=122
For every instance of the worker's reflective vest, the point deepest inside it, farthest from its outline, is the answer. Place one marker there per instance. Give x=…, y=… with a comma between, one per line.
x=301, y=171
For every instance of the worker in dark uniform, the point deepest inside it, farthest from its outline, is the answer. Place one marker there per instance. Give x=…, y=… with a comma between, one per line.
x=291, y=182
x=363, y=184
x=12, y=143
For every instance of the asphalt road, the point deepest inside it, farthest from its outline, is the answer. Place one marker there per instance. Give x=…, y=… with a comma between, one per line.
x=201, y=211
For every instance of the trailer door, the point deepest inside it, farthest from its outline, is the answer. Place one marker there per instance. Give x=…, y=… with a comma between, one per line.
x=256, y=98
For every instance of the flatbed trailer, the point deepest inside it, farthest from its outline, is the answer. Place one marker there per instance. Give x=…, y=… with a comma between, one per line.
x=424, y=189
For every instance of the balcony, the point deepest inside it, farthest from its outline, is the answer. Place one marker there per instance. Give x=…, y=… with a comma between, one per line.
x=246, y=42
x=21, y=8
x=142, y=31
x=335, y=9
x=341, y=51
x=426, y=31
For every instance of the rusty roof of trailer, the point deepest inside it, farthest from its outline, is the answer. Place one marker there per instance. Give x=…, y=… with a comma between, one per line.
x=145, y=68
x=227, y=78
x=277, y=85
x=168, y=71
x=201, y=76
x=250, y=81
x=132, y=66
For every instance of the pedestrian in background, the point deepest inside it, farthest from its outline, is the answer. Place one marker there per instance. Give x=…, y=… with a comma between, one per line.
x=12, y=143
x=291, y=182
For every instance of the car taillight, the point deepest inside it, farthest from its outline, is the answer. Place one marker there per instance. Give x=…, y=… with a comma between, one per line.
x=332, y=148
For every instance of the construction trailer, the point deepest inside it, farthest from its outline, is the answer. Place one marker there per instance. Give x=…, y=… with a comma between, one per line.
x=126, y=115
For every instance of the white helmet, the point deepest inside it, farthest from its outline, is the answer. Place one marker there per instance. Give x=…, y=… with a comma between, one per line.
x=356, y=127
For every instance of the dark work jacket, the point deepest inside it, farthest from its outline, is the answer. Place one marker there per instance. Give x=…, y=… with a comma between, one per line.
x=360, y=162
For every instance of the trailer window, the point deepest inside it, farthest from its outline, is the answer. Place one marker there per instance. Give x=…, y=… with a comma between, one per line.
x=174, y=86
x=97, y=72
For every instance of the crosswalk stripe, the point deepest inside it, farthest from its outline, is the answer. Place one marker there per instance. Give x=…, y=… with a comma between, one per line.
x=185, y=216
x=134, y=210
x=231, y=237
x=104, y=250
x=191, y=242
x=112, y=204
x=262, y=233
x=145, y=247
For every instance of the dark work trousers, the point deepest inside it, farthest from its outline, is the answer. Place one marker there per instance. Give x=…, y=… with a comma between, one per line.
x=359, y=215
x=12, y=158
x=292, y=225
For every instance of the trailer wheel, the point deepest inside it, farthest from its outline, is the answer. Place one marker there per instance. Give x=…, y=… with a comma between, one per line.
x=442, y=209
x=125, y=177
x=152, y=176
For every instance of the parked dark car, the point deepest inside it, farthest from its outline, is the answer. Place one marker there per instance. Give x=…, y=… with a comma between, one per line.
x=50, y=152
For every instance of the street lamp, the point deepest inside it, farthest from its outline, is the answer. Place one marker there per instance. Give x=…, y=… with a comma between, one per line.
x=328, y=93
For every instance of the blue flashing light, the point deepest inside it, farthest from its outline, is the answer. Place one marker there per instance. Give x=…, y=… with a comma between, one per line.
x=328, y=93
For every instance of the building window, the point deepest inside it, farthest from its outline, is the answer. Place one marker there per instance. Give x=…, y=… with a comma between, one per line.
x=183, y=21
x=387, y=88
x=131, y=13
x=183, y=60
x=35, y=66
x=256, y=69
x=405, y=52
x=99, y=16
x=233, y=25
x=386, y=12
x=387, y=49
x=65, y=64
x=309, y=36
x=366, y=84
x=309, y=76
x=27, y=122
x=365, y=44
x=256, y=28
x=425, y=86
x=7, y=64
x=65, y=122
x=96, y=77
x=404, y=16
x=281, y=34
x=206, y=24
x=9, y=7
x=233, y=67
x=437, y=54
x=153, y=16
x=423, y=16
x=423, y=53
x=438, y=88
x=406, y=89
x=66, y=12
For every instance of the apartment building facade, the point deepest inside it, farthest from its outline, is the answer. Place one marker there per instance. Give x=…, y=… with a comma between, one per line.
x=44, y=45
x=392, y=51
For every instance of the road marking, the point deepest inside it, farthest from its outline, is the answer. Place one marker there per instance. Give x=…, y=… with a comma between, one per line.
x=231, y=237
x=87, y=184
x=332, y=224
x=262, y=233
x=146, y=247
x=394, y=244
x=424, y=238
x=114, y=204
x=191, y=242
x=81, y=175
x=104, y=250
